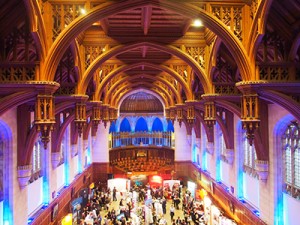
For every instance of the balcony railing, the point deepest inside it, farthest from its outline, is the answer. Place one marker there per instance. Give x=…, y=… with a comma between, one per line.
x=122, y=139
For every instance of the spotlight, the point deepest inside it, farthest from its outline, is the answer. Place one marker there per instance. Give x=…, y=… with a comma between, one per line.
x=82, y=11
x=197, y=23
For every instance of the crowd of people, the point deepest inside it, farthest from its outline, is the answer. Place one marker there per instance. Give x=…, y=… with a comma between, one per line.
x=142, y=205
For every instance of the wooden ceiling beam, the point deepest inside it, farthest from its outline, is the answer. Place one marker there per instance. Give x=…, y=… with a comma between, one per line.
x=104, y=25
x=146, y=18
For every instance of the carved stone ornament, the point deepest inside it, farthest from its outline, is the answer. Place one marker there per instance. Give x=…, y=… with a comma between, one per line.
x=210, y=147
x=229, y=154
x=55, y=159
x=24, y=174
x=262, y=169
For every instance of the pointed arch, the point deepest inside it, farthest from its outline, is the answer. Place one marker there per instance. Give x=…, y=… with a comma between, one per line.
x=141, y=125
x=116, y=98
x=129, y=78
x=157, y=125
x=125, y=125
x=109, y=8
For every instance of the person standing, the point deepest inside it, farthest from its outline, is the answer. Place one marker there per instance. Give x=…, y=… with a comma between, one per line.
x=172, y=211
x=114, y=194
x=164, y=205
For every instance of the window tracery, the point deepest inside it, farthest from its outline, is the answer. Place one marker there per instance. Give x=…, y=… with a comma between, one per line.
x=249, y=157
x=36, y=160
x=291, y=160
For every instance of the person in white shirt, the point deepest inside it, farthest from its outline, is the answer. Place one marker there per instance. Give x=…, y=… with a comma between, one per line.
x=162, y=221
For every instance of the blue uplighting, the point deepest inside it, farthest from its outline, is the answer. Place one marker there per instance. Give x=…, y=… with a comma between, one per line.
x=141, y=125
x=7, y=213
x=256, y=212
x=157, y=125
x=242, y=200
x=112, y=127
x=30, y=220
x=218, y=169
x=125, y=126
x=204, y=161
x=88, y=156
x=67, y=172
x=280, y=214
x=45, y=190
x=170, y=126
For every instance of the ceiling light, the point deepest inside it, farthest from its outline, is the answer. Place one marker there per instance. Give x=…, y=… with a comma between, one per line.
x=197, y=23
x=82, y=11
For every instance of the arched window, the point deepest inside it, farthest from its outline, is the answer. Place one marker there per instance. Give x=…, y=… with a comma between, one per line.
x=125, y=126
x=141, y=125
x=291, y=159
x=249, y=154
x=221, y=142
x=36, y=159
x=157, y=125
x=62, y=149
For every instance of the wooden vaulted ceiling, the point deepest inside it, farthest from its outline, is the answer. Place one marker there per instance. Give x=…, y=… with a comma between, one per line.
x=147, y=66
x=143, y=24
